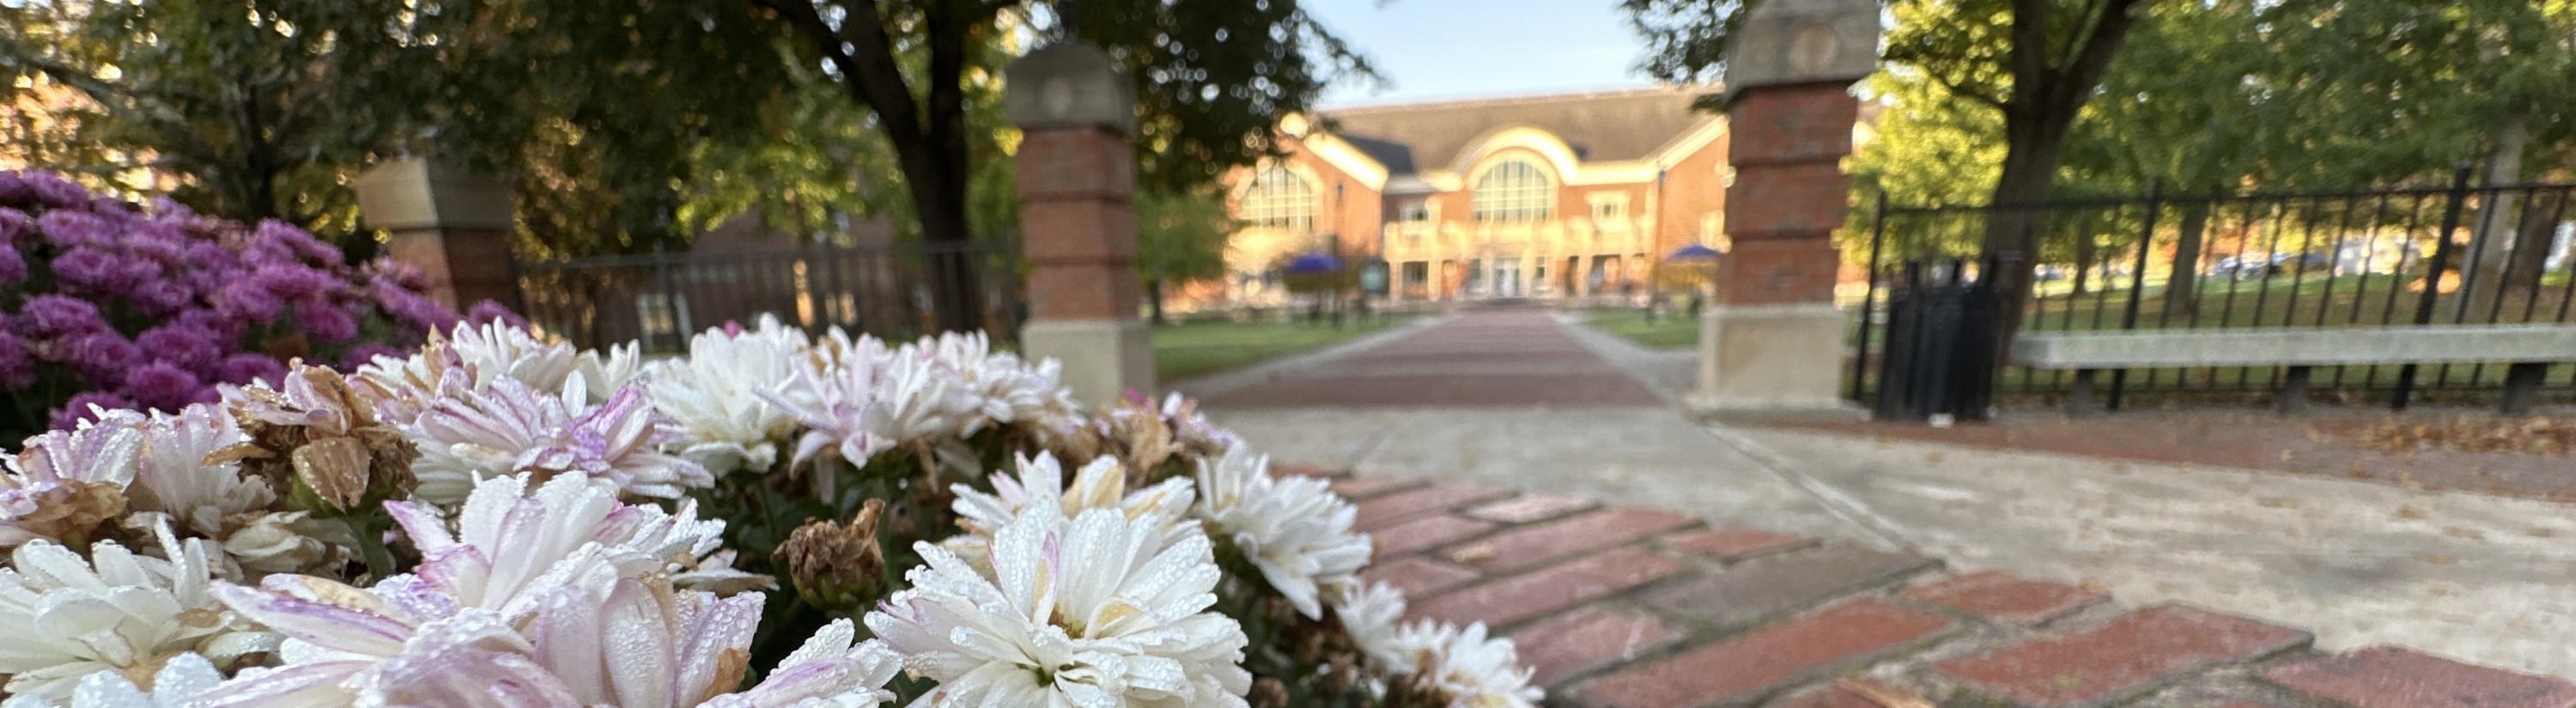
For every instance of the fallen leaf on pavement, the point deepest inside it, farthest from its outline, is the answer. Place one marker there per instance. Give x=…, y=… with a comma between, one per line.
x=1883, y=694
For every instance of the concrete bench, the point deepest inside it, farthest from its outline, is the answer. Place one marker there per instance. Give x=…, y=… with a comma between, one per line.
x=2527, y=349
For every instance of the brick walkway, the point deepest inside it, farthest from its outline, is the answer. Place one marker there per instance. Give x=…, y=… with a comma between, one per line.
x=1632, y=607
x=1482, y=357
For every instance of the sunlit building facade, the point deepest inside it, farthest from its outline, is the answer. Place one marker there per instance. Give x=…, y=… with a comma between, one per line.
x=1538, y=197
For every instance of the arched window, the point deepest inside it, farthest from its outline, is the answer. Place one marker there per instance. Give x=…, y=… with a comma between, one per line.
x=1515, y=190
x=1280, y=199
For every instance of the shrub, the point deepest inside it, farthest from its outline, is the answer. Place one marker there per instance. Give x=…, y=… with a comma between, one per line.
x=107, y=304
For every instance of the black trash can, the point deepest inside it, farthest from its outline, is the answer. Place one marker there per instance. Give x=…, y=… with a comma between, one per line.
x=1940, y=356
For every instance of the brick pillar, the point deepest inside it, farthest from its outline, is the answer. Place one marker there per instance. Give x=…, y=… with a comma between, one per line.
x=1077, y=180
x=1773, y=341
x=452, y=225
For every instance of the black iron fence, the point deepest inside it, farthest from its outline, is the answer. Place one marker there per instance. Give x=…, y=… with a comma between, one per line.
x=2455, y=254
x=661, y=299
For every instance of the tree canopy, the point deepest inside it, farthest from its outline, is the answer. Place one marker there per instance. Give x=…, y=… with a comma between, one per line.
x=266, y=108
x=1212, y=78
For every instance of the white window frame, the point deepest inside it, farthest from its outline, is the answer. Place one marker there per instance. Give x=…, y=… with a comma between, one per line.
x=1281, y=199
x=1514, y=190
x=1617, y=202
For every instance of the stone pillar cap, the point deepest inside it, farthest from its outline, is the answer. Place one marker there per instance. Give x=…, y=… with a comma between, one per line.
x=413, y=193
x=1068, y=85
x=1803, y=42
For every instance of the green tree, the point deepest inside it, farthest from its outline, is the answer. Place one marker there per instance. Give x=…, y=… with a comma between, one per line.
x=1180, y=238
x=266, y=108
x=2035, y=62
x=255, y=105
x=1211, y=77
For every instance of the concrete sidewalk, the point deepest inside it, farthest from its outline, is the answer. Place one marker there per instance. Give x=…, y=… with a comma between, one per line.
x=2476, y=578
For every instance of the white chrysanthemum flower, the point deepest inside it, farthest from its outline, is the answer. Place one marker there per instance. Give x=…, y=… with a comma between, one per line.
x=497, y=349
x=508, y=428
x=1093, y=611
x=604, y=374
x=831, y=670
x=1192, y=427
x=177, y=683
x=174, y=478
x=1372, y=616
x=1007, y=390
x=1099, y=485
x=856, y=400
x=555, y=599
x=713, y=399
x=63, y=617
x=504, y=542
x=1466, y=668
x=65, y=483
x=404, y=387
x=1297, y=531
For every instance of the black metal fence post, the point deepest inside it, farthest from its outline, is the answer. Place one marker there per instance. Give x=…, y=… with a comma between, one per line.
x=1868, y=297
x=2138, y=284
x=2459, y=196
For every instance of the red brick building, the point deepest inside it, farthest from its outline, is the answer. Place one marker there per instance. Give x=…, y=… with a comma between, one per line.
x=1539, y=196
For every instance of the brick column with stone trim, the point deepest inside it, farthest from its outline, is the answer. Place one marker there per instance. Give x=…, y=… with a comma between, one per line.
x=1077, y=180
x=1773, y=341
x=453, y=225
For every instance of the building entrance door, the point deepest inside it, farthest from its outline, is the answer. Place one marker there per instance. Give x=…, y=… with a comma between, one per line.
x=1507, y=278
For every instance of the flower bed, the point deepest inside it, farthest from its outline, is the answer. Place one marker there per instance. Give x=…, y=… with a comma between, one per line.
x=105, y=304
x=771, y=520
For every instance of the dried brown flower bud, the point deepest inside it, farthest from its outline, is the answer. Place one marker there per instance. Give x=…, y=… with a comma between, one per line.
x=1268, y=692
x=319, y=440
x=836, y=566
x=70, y=513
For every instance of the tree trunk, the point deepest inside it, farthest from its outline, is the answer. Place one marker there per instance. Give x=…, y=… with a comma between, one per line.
x=2049, y=88
x=2087, y=250
x=2182, y=290
x=2532, y=241
x=2483, y=270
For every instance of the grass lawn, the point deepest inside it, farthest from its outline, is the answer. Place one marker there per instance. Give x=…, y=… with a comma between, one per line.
x=1185, y=350
x=1669, y=330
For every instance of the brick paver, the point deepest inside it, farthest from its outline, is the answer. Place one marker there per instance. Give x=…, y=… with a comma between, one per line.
x=1538, y=544
x=1360, y=488
x=1760, y=662
x=1829, y=698
x=2005, y=597
x=1512, y=600
x=2390, y=677
x=1610, y=616
x=1427, y=531
x=2124, y=657
x=1387, y=510
x=1761, y=589
x=1418, y=576
x=1528, y=508
x=1588, y=638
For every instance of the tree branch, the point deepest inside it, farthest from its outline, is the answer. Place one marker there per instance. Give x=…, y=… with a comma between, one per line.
x=2028, y=59
x=2102, y=38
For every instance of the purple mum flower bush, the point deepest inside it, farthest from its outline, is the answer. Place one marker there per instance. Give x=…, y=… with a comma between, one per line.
x=772, y=519
x=108, y=305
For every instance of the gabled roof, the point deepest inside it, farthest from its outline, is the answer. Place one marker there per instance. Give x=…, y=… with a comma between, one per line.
x=1600, y=127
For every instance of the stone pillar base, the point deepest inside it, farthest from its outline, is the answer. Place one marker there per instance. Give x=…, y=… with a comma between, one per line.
x=1771, y=361
x=1103, y=359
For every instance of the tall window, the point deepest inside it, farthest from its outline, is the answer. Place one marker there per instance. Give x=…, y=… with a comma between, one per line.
x=1514, y=190
x=1280, y=199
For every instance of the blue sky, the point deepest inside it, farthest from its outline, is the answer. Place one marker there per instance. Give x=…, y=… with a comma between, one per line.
x=1430, y=49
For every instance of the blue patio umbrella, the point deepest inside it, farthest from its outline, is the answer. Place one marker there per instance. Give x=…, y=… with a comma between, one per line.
x=1314, y=263
x=1694, y=252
